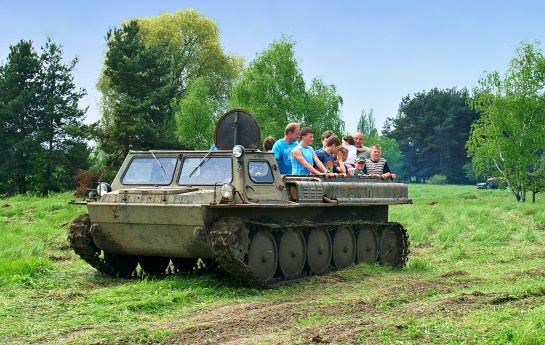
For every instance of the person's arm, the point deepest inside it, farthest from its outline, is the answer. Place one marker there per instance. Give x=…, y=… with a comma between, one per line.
x=277, y=151
x=320, y=168
x=341, y=168
x=363, y=149
x=386, y=172
x=297, y=154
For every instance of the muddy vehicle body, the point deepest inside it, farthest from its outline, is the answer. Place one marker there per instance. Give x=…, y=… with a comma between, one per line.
x=233, y=206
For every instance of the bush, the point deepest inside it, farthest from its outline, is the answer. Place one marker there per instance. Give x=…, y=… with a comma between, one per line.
x=84, y=178
x=437, y=179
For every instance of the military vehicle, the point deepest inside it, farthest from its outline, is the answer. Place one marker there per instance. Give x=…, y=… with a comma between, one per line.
x=233, y=206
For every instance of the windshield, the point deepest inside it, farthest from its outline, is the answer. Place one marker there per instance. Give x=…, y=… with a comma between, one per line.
x=150, y=170
x=211, y=170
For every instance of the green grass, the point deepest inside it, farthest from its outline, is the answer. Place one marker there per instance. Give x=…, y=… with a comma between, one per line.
x=475, y=275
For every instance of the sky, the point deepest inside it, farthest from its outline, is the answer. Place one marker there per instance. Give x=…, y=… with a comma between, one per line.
x=374, y=52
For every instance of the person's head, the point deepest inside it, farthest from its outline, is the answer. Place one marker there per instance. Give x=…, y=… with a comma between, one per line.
x=358, y=139
x=348, y=139
x=333, y=142
x=344, y=152
x=307, y=135
x=359, y=163
x=291, y=132
x=376, y=151
x=268, y=143
x=326, y=135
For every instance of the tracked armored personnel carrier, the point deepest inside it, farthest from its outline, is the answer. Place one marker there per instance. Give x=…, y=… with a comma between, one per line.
x=233, y=206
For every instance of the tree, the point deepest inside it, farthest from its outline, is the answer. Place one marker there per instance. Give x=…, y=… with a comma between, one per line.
x=508, y=140
x=196, y=120
x=192, y=42
x=163, y=56
x=41, y=133
x=273, y=89
x=19, y=108
x=432, y=129
x=61, y=131
x=140, y=118
x=322, y=110
x=366, y=124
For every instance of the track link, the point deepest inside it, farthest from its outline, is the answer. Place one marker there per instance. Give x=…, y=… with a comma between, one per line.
x=79, y=236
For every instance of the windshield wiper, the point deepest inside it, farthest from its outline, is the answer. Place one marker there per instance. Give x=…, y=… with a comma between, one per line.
x=200, y=163
x=159, y=163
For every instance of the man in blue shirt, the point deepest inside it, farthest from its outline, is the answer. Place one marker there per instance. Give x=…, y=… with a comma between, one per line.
x=283, y=148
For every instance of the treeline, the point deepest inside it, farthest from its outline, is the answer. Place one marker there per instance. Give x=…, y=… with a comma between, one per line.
x=432, y=129
x=42, y=137
x=166, y=81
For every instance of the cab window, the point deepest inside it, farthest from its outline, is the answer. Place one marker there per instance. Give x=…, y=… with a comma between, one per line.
x=260, y=172
x=149, y=170
x=205, y=171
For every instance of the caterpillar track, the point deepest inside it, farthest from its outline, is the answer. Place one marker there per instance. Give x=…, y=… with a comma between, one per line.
x=81, y=241
x=281, y=255
x=269, y=255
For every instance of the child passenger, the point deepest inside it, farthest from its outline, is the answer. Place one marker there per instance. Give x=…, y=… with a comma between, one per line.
x=360, y=168
x=378, y=165
x=341, y=156
x=348, y=142
x=327, y=156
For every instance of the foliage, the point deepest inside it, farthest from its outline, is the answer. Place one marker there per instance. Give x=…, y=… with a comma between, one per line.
x=437, y=179
x=193, y=44
x=472, y=254
x=19, y=111
x=323, y=108
x=196, y=117
x=41, y=131
x=150, y=66
x=508, y=140
x=141, y=117
x=85, y=178
x=432, y=129
x=366, y=124
x=273, y=89
x=62, y=131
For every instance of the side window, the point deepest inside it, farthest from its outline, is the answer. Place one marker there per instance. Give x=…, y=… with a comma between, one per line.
x=205, y=171
x=149, y=170
x=260, y=172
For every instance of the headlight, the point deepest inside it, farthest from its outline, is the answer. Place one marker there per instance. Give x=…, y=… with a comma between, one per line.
x=103, y=188
x=228, y=191
x=238, y=151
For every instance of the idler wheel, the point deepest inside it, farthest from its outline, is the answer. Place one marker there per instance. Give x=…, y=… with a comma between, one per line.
x=154, y=265
x=390, y=251
x=121, y=265
x=319, y=250
x=291, y=253
x=367, y=245
x=263, y=256
x=344, y=248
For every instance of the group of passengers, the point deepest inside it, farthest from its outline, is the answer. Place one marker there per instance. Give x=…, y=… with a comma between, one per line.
x=349, y=158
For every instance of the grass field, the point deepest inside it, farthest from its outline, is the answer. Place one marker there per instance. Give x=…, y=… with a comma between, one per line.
x=475, y=275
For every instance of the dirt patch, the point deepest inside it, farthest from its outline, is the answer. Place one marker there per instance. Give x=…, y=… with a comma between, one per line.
x=350, y=319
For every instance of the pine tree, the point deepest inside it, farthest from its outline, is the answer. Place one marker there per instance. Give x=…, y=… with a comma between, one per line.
x=19, y=106
x=61, y=122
